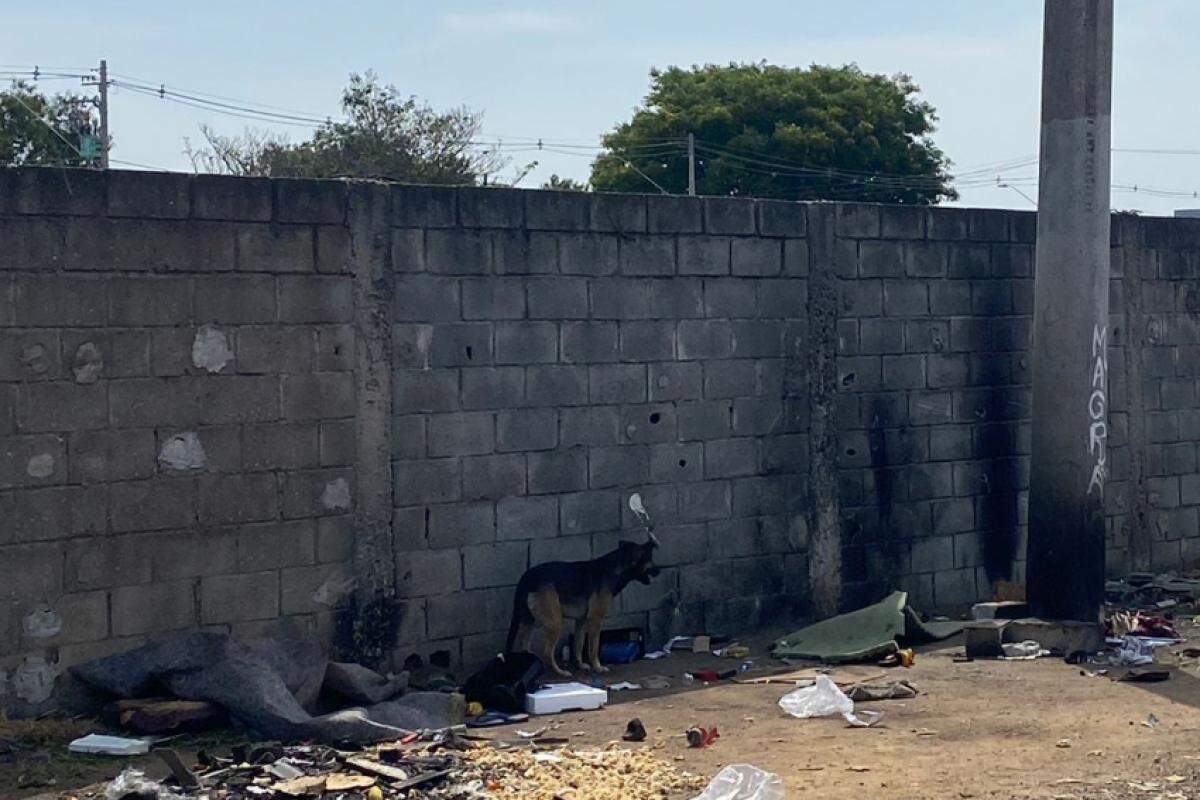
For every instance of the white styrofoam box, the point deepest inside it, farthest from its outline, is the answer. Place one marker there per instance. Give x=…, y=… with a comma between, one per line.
x=556, y=697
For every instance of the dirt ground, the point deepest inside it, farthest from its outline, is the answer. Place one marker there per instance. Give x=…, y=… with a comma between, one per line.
x=980, y=729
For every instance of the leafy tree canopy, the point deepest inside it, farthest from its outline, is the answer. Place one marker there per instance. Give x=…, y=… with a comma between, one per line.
x=564, y=184
x=384, y=135
x=44, y=131
x=766, y=131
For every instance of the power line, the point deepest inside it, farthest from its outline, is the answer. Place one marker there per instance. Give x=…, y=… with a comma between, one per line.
x=52, y=129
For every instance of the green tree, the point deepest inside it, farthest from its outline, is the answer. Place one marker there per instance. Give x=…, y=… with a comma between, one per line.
x=564, y=184
x=767, y=131
x=384, y=135
x=45, y=131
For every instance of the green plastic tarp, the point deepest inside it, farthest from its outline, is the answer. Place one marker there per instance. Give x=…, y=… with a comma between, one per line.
x=862, y=635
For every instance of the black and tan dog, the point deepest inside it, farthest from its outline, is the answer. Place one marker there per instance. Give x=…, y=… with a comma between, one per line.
x=582, y=590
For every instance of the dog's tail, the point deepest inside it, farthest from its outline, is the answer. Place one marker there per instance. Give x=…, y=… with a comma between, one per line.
x=517, y=617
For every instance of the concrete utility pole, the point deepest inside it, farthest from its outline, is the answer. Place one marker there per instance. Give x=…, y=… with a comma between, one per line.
x=103, y=114
x=1065, y=554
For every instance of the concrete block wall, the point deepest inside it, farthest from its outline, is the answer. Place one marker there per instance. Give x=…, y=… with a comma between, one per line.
x=177, y=404
x=554, y=353
x=934, y=400
x=198, y=376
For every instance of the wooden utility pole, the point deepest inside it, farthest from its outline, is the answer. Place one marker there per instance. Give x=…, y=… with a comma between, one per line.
x=1069, y=464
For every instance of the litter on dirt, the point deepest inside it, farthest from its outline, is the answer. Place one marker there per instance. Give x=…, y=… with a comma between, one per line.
x=99, y=744
x=863, y=635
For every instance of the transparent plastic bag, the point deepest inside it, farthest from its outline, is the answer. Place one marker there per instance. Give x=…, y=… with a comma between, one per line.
x=822, y=699
x=743, y=782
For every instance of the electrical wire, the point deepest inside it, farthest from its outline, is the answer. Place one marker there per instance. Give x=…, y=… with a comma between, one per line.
x=52, y=129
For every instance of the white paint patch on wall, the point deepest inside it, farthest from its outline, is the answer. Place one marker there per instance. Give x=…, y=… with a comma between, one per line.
x=89, y=363
x=41, y=623
x=331, y=592
x=35, y=359
x=183, y=452
x=336, y=496
x=210, y=349
x=40, y=466
x=33, y=681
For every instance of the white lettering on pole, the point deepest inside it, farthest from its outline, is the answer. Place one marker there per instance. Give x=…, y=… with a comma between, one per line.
x=1097, y=406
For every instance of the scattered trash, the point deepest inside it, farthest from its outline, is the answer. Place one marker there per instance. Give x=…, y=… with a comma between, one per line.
x=710, y=675
x=895, y=690
x=701, y=737
x=284, y=770
x=858, y=768
x=237, y=675
x=99, y=744
x=845, y=676
x=864, y=635
x=624, y=686
x=732, y=651
x=824, y=699
x=183, y=776
x=1022, y=651
x=490, y=719
x=635, y=731
x=1063, y=743
x=656, y=682
x=505, y=681
x=743, y=782
x=133, y=783
x=559, y=697
x=532, y=734
x=1151, y=721
x=1145, y=676
x=901, y=658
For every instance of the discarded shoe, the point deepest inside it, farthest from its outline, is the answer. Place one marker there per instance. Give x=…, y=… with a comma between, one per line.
x=635, y=731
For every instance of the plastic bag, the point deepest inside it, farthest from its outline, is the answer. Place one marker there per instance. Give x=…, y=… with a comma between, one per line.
x=1023, y=651
x=133, y=783
x=824, y=699
x=743, y=782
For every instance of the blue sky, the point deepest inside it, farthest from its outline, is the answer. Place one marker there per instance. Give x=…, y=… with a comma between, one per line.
x=567, y=72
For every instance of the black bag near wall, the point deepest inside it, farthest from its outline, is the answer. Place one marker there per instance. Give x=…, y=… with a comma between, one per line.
x=504, y=682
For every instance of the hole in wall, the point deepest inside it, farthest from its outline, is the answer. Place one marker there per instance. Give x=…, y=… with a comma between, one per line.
x=440, y=659
x=850, y=451
x=683, y=462
x=655, y=417
x=848, y=379
x=470, y=353
x=413, y=663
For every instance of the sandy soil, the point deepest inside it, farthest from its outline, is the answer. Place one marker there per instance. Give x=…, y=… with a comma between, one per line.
x=981, y=729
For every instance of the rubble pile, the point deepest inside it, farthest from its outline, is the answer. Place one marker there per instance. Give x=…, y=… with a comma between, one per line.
x=438, y=765
x=618, y=774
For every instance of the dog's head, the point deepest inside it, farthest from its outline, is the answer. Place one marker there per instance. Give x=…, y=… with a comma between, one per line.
x=637, y=560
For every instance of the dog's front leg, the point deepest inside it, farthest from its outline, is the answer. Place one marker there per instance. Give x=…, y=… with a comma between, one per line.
x=594, y=645
x=577, y=646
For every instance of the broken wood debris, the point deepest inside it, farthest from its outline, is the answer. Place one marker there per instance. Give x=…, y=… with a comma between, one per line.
x=442, y=765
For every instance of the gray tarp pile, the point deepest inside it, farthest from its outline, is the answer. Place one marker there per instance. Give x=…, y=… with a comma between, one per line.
x=273, y=687
x=863, y=635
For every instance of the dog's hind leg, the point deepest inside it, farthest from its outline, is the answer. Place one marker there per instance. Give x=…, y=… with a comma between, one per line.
x=547, y=610
x=595, y=621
